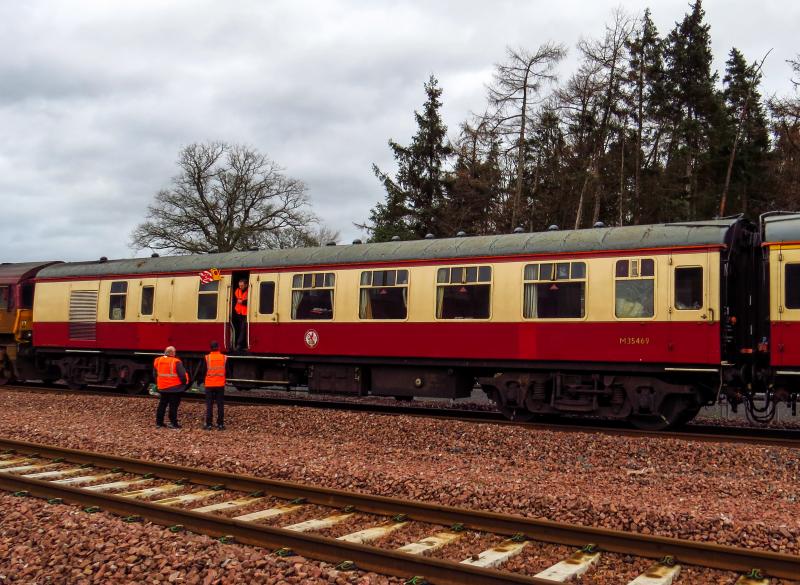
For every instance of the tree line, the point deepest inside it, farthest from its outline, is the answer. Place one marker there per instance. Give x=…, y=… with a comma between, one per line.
x=643, y=132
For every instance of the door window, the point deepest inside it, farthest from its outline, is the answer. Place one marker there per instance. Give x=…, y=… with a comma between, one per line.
x=689, y=288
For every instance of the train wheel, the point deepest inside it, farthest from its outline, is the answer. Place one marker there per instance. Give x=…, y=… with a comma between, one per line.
x=674, y=413
x=517, y=414
x=137, y=387
x=75, y=385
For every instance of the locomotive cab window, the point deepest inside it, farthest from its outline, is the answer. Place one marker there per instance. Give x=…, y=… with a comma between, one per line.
x=689, y=288
x=148, y=296
x=463, y=292
x=555, y=290
x=207, y=296
x=118, y=300
x=5, y=298
x=384, y=294
x=792, y=290
x=266, y=298
x=634, y=288
x=312, y=295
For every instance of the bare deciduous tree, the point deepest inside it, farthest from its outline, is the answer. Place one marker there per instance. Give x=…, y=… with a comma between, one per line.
x=606, y=59
x=517, y=84
x=226, y=197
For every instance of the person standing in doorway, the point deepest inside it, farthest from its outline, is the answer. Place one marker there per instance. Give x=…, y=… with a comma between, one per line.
x=171, y=381
x=240, y=316
x=214, y=369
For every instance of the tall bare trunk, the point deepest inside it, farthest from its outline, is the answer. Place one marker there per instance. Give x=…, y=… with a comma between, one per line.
x=520, y=153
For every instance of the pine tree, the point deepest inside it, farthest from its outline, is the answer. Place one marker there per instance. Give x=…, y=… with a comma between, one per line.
x=695, y=109
x=415, y=196
x=475, y=183
x=749, y=138
x=647, y=107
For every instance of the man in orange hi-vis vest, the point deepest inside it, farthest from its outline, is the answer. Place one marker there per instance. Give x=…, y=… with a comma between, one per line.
x=215, y=372
x=171, y=380
x=240, y=316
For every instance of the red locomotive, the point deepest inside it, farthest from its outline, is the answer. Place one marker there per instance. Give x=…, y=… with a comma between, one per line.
x=643, y=323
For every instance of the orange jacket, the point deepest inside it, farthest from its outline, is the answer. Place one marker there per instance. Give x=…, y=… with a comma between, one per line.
x=241, y=301
x=168, y=372
x=215, y=370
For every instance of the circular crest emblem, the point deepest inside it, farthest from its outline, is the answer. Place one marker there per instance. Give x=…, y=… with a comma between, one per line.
x=311, y=338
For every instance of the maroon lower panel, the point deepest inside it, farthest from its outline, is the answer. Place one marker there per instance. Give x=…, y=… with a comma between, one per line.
x=785, y=343
x=640, y=342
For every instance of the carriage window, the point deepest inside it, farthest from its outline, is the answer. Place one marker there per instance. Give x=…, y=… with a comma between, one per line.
x=555, y=290
x=463, y=292
x=689, y=288
x=117, y=300
x=148, y=295
x=312, y=295
x=207, y=296
x=634, y=288
x=384, y=294
x=792, y=286
x=266, y=298
x=5, y=298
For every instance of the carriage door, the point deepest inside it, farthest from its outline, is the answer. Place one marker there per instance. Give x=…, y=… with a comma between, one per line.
x=263, y=312
x=231, y=330
x=690, y=309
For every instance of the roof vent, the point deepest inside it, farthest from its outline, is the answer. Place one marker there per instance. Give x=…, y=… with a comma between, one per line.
x=553, y=228
x=395, y=238
x=331, y=244
x=103, y=259
x=599, y=224
x=461, y=234
x=357, y=242
x=519, y=230
x=154, y=255
x=430, y=237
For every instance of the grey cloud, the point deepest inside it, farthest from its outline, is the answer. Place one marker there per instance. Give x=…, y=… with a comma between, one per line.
x=97, y=97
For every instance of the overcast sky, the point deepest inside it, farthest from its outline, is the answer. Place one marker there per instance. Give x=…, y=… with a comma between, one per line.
x=97, y=98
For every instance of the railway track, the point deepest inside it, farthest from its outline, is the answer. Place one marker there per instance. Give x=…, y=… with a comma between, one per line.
x=773, y=437
x=211, y=502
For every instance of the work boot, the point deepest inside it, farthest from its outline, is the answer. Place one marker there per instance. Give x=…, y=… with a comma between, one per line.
x=220, y=427
x=207, y=428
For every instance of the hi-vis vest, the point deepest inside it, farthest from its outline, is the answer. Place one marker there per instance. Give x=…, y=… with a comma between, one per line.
x=215, y=372
x=167, y=370
x=241, y=301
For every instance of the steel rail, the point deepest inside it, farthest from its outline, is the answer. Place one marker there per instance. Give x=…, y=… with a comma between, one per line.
x=309, y=545
x=708, y=555
x=703, y=433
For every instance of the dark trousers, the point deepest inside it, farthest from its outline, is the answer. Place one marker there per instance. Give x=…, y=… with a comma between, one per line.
x=240, y=331
x=171, y=400
x=215, y=395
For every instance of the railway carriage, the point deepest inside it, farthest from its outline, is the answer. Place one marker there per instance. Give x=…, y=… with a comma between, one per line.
x=641, y=323
x=780, y=335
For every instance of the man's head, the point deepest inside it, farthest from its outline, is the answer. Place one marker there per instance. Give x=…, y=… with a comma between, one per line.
x=214, y=346
x=170, y=351
x=242, y=284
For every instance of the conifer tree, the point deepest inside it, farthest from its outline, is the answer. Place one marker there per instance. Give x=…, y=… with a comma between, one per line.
x=695, y=107
x=647, y=105
x=415, y=196
x=749, y=137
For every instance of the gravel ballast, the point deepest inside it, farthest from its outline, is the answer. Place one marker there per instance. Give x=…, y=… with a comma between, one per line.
x=718, y=492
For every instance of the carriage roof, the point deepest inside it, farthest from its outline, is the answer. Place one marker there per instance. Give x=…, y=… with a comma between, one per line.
x=672, y=235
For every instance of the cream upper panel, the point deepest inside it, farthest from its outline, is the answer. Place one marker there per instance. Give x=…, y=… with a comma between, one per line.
x=508, y=286
x=176, y=297
x=779, y=258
